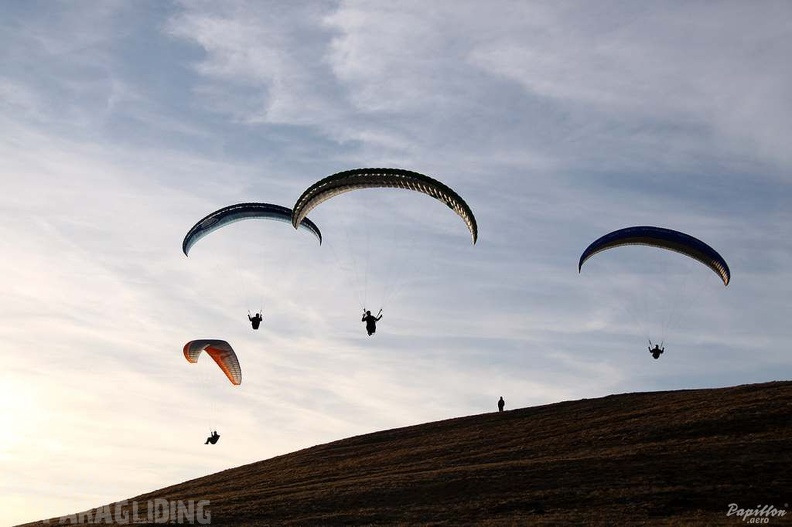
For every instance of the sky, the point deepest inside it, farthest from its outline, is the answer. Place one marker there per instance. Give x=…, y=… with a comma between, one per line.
x=124, y=123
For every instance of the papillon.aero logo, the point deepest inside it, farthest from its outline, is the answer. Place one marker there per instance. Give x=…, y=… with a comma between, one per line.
x=762, y=514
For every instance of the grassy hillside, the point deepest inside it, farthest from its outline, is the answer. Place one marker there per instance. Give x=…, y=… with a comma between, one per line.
x=665, y=458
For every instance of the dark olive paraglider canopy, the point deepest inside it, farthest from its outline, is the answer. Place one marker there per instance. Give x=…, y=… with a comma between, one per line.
x=361, y=178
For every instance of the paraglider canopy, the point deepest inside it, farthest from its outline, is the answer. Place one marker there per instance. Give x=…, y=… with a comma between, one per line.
x=239, y=212
x=664, y=239
x=222, y=353
x=361, y=178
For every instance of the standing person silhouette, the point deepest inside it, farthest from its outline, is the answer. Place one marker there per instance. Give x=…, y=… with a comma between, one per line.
x=501, y=404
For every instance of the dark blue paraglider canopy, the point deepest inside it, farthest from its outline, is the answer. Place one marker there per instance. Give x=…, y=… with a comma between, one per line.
x=664, y=239
x=239, y=212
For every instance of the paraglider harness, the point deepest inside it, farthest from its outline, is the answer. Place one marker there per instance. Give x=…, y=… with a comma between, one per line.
x=657, y=350
x=213, y=437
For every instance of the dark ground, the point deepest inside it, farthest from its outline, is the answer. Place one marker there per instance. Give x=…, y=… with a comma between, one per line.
x=662, y=458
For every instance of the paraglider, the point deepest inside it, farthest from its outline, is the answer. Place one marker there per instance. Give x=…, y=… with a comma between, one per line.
x=255, y=321
x=661, y=238
x=657, y=350
x=243, y=211
x=384, y=268
x=361, y=178
x=222, y=353
x=225, y=357
x=371, y=321
x=239, y=212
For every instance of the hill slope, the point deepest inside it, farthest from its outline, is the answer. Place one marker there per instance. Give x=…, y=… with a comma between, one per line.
x=667, y=458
